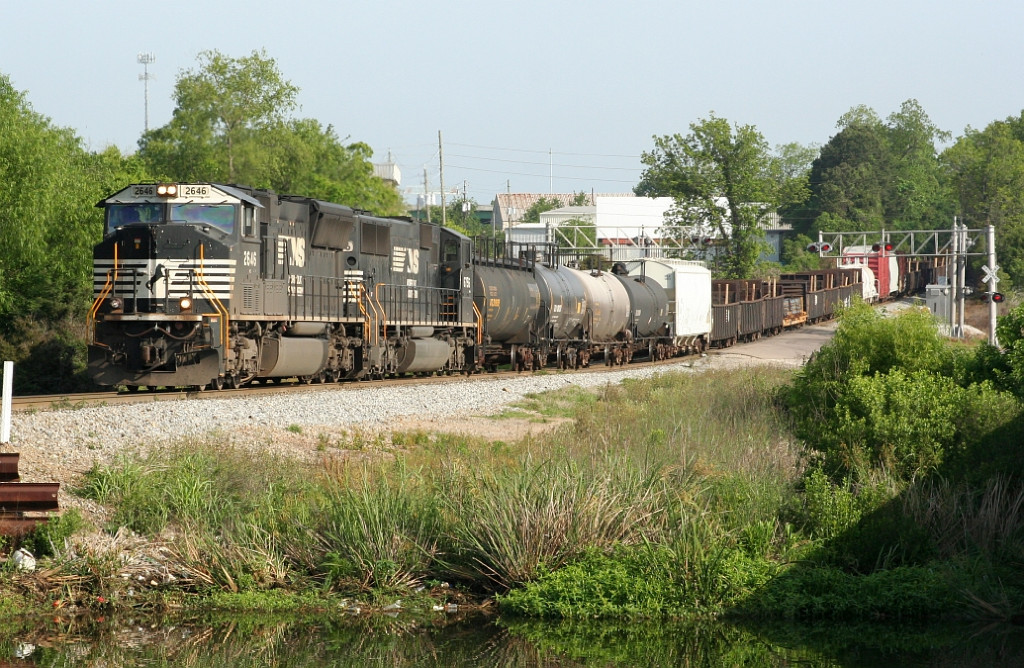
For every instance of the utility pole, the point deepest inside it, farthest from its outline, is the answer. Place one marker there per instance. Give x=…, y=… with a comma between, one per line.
x=440, y=157
x=426, y=194
x=145, y=59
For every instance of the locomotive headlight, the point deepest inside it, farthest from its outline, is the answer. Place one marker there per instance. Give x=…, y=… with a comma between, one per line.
x=167, y=190
x=185, y=304
x=116, y=304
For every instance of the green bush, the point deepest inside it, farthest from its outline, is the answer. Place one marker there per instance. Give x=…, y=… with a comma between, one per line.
x=641, y=581
x=48, y=539
x=891, y=394
x=808, y=592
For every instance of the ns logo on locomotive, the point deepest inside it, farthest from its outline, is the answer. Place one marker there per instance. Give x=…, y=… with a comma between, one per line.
x=207, y=285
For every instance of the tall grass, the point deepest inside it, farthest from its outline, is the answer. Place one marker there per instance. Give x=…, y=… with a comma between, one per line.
x=665, y=462
x=380, y=527
x=509, y=522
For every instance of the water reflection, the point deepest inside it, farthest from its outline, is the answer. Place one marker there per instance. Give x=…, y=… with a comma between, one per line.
x=385, y=641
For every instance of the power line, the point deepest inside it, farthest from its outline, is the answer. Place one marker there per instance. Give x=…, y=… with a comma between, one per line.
x=545, y=152
x=540, y=176
x=545, y=164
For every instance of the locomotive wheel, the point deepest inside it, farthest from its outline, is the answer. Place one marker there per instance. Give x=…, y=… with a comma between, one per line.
x=132, y=388
x=217, y=383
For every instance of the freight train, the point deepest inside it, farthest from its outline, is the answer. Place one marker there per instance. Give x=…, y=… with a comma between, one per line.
x=205, y=285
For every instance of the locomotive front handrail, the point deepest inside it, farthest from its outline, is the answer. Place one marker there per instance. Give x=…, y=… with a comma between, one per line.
x=212, y=298
x=107, y=287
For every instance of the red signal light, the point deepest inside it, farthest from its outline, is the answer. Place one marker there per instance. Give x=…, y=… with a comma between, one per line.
x=997, y=297
x=812, y=248
x=826, y=248
x=888, y=247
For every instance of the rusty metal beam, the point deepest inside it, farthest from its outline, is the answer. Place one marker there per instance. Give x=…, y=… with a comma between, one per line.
x=17, y=525
x=22, y=496
x=9, y=466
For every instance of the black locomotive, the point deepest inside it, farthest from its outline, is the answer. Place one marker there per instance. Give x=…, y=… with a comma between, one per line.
x=206, y=285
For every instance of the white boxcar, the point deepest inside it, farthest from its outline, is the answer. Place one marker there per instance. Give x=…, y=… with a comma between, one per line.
x=688, y=285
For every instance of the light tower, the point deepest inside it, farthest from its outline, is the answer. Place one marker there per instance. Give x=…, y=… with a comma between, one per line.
x=145, y=59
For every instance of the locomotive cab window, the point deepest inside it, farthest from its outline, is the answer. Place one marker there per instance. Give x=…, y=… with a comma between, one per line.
x=451, y=251
x=119, y=215
x=221, y=216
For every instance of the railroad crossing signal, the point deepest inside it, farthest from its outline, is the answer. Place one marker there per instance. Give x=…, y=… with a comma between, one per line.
x=989, y=276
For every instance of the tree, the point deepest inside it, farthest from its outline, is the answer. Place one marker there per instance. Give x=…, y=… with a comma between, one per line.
x=230, y=125
x=303, y=157
x=48, y=221
x=49, y=186
x=543, y=204
x=462, y=217
x=722, y=177
x=217, y=108
x=876, y=174
x=986, y=171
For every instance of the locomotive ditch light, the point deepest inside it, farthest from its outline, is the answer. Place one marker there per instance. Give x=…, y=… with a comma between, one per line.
x=116, y=304
x=185, y=304
x=167, y=190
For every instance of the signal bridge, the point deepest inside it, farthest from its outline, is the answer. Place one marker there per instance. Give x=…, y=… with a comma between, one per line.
x=956, y=244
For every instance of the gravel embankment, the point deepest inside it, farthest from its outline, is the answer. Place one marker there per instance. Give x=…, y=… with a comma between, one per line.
x=60, y=445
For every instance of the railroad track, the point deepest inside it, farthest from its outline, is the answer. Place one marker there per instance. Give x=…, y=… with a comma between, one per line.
x=66, y=401
x=111, y=397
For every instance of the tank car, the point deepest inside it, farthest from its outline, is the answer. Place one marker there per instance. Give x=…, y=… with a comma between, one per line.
x=535, y=310
x=207, y=285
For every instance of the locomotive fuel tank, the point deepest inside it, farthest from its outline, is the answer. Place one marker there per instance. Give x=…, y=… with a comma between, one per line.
x=303, y=352
x=650, y=305
x=423, y=354
x=509, y=301
x=564, y=299
x=608, y=303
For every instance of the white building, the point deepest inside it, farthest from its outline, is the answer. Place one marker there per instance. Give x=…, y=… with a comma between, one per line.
x=621, y=221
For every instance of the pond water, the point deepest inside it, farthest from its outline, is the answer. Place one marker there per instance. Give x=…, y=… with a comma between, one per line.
x=478, y=641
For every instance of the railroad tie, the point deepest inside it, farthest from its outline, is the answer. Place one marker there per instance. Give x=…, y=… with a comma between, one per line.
x=23, y=505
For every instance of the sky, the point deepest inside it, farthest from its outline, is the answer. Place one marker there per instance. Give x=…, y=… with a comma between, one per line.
x=528, y=96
